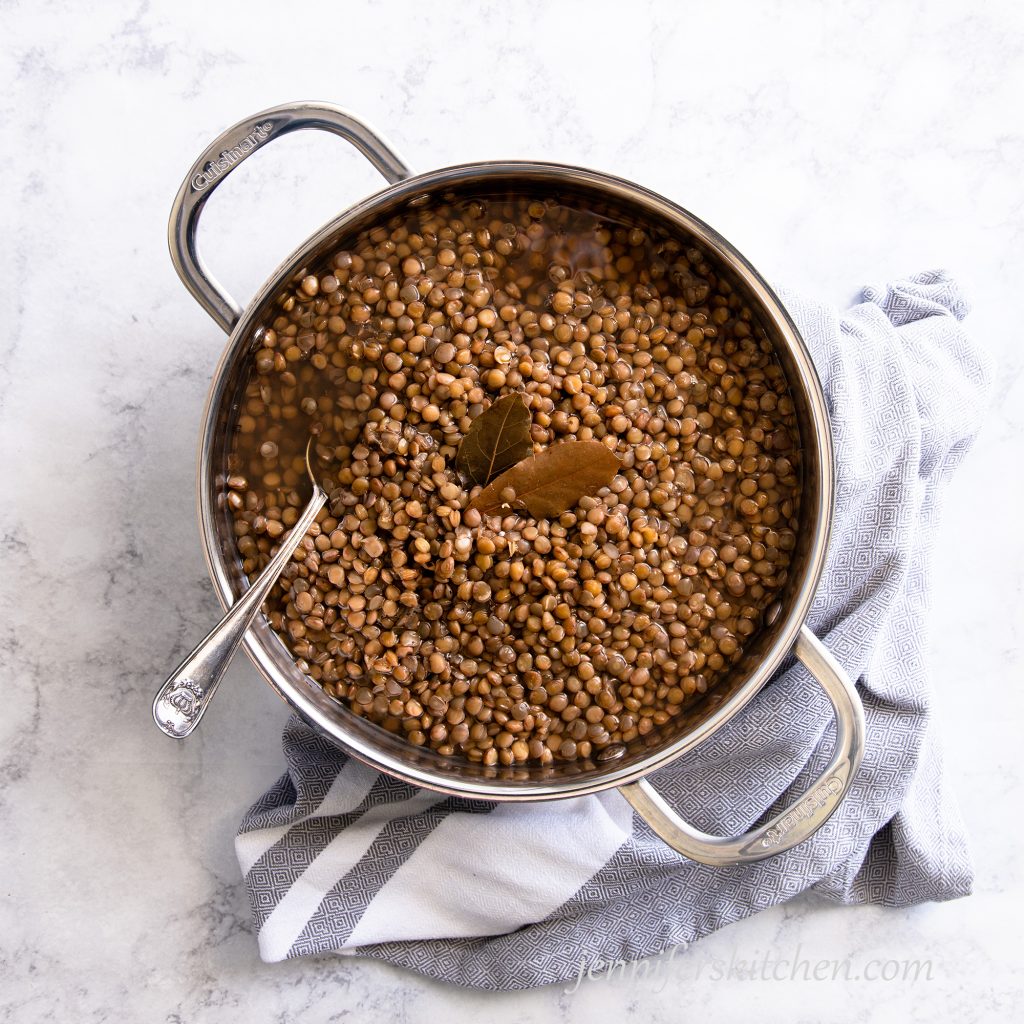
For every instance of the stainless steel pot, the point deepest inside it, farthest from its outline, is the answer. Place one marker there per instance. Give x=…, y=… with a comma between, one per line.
x=627, y=767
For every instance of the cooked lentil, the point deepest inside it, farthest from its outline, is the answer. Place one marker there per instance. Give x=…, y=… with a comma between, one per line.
x=499, y=638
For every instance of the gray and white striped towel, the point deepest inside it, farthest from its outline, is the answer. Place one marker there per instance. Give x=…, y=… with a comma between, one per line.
x=337, y=858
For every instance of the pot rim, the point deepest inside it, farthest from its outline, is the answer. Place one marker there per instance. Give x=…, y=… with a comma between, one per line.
x=807, y=380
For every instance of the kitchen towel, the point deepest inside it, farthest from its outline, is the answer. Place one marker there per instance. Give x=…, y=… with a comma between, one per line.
x=338, y=858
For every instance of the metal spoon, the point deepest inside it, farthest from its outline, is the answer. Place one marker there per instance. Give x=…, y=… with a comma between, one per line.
x=185, y=696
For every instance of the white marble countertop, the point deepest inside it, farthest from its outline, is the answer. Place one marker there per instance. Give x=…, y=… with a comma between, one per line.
x=832, y=149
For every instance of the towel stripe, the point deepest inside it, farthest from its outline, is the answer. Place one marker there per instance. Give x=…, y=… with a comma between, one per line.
x=478, y=875
x=348, y=790
x=295, y=910
x=282, y=864
x=393, y=844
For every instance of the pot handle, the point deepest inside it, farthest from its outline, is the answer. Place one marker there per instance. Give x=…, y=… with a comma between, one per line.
x=224, y=154
x=792, y=826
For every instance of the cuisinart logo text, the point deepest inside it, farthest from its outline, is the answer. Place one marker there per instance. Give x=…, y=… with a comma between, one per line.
x=818, y=797
x=229, y=157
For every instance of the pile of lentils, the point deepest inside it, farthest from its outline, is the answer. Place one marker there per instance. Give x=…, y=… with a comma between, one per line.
x=503, y=639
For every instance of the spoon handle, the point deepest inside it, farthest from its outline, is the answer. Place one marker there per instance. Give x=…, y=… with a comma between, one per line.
x=187, y=692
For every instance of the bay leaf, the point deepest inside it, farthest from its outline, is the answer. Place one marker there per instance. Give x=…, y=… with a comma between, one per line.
x=497, y=439
x=554, y=480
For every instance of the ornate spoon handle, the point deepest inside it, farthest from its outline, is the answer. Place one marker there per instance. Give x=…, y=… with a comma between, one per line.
x=187, y=693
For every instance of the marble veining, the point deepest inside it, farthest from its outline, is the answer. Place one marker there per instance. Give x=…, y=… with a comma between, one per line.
x=833, y=145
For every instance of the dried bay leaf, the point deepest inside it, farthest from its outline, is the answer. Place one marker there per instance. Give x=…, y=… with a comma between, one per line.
x=498, y=438
x=549, y=483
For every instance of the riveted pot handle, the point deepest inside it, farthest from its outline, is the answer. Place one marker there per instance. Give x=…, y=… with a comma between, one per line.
x=808, y=814
x=224, y=154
